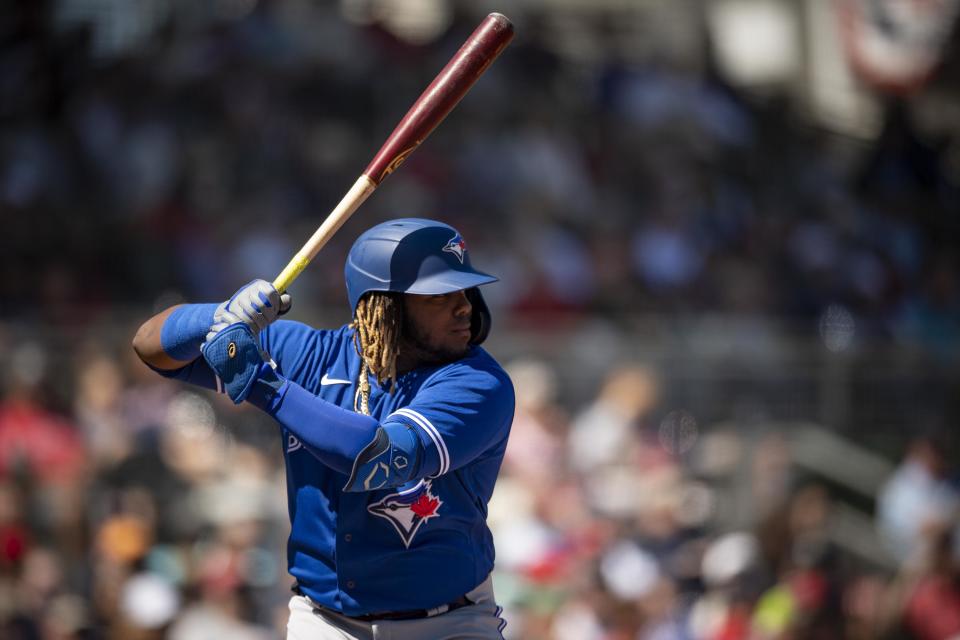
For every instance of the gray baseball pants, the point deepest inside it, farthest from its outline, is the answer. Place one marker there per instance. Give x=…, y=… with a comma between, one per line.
x=478, y=621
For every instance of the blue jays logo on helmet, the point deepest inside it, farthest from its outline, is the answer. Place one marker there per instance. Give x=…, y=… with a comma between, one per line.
x=408, y=510
x=457, y=247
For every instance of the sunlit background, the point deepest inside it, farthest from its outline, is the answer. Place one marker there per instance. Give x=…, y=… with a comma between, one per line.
x=728, y=237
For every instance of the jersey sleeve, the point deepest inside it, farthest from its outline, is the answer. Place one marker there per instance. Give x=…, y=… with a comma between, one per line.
x=197, y=372
x=460, y=415
x=298, y=349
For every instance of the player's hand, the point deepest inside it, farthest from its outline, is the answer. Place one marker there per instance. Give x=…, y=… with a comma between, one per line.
x=235, y=355
x=256, y=304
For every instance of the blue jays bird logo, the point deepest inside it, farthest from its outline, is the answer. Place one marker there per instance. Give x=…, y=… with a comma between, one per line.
x=457, y=247
x=408, y=510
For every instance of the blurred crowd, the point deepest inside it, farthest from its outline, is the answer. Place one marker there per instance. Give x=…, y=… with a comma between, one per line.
x=597, y=186
x=134, y=512
x=622, y=519
x=592, y=183
x=144, y=510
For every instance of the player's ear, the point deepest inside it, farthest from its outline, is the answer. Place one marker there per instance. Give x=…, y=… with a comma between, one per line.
x=480, y=320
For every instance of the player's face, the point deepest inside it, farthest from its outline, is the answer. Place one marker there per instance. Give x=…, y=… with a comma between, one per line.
x=436, y=328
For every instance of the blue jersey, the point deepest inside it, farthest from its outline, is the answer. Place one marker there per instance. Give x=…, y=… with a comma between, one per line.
x=414, y=546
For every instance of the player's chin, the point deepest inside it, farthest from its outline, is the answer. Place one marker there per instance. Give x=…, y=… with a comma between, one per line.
x=458, y=344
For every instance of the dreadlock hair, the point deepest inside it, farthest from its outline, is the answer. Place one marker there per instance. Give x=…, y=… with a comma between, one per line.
x=378, y=325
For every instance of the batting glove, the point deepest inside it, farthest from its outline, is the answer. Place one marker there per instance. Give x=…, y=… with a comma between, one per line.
x=256, y=304
x=235, y=355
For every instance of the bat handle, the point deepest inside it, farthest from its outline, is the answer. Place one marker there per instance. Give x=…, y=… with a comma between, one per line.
x=359, y=192
x=290, y=272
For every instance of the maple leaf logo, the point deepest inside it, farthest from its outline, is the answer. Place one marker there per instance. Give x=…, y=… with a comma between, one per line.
x=425, y=506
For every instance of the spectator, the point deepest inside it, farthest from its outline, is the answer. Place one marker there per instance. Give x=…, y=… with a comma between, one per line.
x=918, y=500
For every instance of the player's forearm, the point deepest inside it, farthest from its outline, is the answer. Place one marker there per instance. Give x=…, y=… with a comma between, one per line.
x=372, y=455
x=353, y=444
x=333, y=435
x=171, y=339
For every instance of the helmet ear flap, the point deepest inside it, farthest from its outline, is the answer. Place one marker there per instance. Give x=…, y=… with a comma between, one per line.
x=480, y=319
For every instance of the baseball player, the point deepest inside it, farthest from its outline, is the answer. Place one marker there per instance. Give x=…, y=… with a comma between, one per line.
x=393, y=428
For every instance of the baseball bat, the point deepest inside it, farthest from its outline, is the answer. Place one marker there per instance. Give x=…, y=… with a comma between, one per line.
x=451, y=84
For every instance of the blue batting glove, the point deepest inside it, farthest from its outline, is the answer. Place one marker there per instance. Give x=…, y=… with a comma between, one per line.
x=235, y=355
x=256, y=304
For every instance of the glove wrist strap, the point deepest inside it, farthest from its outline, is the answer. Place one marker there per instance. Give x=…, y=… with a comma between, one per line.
x=265, y=393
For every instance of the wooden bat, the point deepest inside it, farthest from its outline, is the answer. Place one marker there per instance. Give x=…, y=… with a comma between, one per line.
x=451, y=84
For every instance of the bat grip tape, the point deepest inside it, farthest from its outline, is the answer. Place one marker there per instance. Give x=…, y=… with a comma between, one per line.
x=293, y=269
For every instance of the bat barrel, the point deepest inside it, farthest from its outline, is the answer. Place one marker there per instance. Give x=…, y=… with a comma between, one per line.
x=443, y=94
x=481, y=48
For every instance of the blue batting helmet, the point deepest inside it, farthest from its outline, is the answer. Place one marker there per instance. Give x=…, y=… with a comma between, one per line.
x=416, y=255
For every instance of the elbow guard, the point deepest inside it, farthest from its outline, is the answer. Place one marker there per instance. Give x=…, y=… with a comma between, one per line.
x=390, y=460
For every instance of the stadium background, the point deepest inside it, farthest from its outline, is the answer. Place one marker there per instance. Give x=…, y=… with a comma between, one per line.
x=729, y=298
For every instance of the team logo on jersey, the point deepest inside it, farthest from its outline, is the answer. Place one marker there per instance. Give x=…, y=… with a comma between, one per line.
x=457, y=247
x=407, y=513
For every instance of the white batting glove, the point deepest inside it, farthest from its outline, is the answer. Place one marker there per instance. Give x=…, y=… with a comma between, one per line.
x=256, y=304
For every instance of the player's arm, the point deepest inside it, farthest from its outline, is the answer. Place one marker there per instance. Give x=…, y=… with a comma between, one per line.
x=374, y=455
x=451, y=422
x=246, y=372
x=462, y=415
x=170, y=341
x=167, y=344
x=407, y=446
